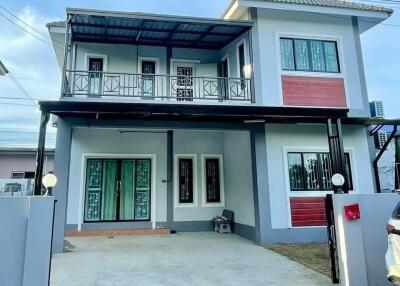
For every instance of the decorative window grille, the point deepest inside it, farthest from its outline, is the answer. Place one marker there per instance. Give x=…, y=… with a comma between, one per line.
x=185, y=180
x=213, y=183
x=382, y=138
x=310, y=171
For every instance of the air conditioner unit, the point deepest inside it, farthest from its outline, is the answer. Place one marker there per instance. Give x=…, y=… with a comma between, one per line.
x=376, y=108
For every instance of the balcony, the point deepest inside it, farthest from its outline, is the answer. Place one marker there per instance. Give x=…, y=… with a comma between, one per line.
x=118, y=55
x=158, y=87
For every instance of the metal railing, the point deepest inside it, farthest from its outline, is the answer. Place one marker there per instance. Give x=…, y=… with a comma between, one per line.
x=155, y=86
x=16, y=187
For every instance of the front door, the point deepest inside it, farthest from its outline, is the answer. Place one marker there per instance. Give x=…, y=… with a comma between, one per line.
x=117, y=190
x=148, y=78
x=95, y=75
x=184, y=81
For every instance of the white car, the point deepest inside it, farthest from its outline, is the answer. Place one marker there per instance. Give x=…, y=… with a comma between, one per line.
x=393, y=252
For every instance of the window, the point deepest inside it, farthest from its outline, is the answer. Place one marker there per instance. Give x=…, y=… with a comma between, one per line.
x=213, y=182
x=310, y=171
x=382, y=138
x=309, y=55
x=185, y=181
x=23, y=175
x=17, y=175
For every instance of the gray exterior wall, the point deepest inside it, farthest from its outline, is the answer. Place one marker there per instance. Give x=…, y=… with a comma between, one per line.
x=109, y=142
x=14, y=161
x=362, y=243
x=271, y=24
x=283, y=138
x=25, y=240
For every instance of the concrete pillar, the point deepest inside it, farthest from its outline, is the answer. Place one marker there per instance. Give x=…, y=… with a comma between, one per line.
x=260, y=183
x=61, y=170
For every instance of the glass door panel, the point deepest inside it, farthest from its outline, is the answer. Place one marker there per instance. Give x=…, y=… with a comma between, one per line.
x=117, y=190
x=109, y=195
x=142, y=189
x=126, y=197
x=94, y=184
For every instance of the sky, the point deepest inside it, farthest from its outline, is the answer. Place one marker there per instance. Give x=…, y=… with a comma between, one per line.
x=33, y=62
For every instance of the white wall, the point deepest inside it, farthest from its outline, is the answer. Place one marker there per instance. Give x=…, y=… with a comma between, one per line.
x=238, y=176
x=281, y=138
x=270, y=24
x=197, y=142
x=112, y=142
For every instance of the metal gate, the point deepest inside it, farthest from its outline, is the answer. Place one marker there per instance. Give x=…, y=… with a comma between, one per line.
x=333, y=252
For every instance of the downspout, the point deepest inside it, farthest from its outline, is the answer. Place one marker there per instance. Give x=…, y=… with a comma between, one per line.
x=378, y=157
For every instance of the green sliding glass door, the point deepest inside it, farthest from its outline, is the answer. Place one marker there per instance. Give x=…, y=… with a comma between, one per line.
x=118, y=190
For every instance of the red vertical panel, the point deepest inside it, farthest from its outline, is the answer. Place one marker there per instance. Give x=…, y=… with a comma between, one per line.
x=313, y=91
x=307, y=211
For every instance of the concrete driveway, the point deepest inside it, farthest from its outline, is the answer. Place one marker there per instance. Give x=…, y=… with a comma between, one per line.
x=204, y=258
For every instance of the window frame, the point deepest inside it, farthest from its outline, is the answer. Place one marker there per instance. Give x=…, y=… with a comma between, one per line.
x=221, y=203
x=348, y=156
x=309, y=39
x=17, y=173
x=178, y=204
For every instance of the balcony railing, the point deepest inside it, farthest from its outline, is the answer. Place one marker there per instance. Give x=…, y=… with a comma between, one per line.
x=155, y=86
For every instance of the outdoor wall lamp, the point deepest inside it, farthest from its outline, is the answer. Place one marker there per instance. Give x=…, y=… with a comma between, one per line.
x=338, y=181
x=49, y=181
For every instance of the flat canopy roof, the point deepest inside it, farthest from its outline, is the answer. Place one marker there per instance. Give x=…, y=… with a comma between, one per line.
x=152, y=29
x=192, y=112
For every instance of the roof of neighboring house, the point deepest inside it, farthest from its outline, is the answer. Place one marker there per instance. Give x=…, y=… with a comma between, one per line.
x=328, y=3
x=23, y=140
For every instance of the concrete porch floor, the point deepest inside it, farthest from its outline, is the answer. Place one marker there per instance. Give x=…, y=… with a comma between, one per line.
x=204, y=258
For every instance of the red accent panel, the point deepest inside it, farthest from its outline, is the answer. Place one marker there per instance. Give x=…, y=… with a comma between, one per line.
x=307, y=211
x=313, y=91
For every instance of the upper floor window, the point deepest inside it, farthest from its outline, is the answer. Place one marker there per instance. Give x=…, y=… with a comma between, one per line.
x=309, y=55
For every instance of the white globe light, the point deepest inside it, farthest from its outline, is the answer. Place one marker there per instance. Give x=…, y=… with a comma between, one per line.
x=49, y=181
x=338, y=180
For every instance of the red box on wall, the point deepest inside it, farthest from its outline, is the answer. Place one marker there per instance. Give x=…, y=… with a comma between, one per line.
x=352, y=212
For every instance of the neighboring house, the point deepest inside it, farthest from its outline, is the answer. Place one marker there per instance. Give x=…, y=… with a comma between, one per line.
x=18, y=160
x=168, y=120
x=386, y=165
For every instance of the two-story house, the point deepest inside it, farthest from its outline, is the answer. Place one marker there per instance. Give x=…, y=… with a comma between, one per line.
x=167, y=120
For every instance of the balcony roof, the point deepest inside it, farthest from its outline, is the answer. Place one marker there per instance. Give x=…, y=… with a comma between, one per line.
x=154, y=30
x=189, y=111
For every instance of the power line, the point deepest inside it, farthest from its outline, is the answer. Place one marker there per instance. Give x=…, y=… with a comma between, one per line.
x=20, y=87
x=26, y=24
x=22, y=104
x=29, y=32
x=20, y=98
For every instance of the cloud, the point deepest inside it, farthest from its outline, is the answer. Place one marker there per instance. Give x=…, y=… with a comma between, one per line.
x=34, y=65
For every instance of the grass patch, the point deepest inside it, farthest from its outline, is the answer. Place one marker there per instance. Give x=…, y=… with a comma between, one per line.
x=312, y=255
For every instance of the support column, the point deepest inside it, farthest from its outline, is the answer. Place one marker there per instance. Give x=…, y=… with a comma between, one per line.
x=44, y=119
x=336, y=150
x=168, y=72
x=61, y=170
x=262, y=209
x=397, y=163
x=170, y=181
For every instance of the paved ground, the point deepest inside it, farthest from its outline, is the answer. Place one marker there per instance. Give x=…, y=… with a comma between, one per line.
x=183, y=259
